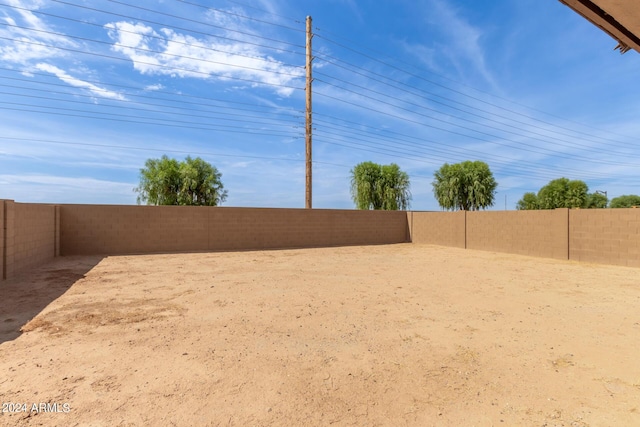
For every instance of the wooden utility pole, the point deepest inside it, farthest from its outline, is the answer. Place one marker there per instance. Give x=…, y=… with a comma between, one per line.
x=308, y=124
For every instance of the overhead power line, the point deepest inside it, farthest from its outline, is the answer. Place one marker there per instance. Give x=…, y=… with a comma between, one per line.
x=142, y=49
x=173, y=27
x=238, y=15
x=163, y=39
x=163, y=150
x=200, y=99
x=430, y=97
x=170, y=67
x=494, y=139
x=532, y=135
x=158, y=121
x=194, y=21
x=351, y=47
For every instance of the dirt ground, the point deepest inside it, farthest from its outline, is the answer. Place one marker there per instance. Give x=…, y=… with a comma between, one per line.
x=388, y=335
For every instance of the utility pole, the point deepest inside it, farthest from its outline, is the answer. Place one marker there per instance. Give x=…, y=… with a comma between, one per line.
x=308, y=123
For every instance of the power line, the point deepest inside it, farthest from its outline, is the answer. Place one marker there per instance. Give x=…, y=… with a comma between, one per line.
x=160, y=122
x=207, y=24
x=180, y=95
x=148, y=63
x=273, y=121
x=172, y=16
x=189, y=30
x=162, y=150
x=525, y=147
x=422, y=151
x=226, y=12
x=165, y=53
x=412, y=90
x=565, y=143
x=420, y=77
x=263, y=11
x=151, y=36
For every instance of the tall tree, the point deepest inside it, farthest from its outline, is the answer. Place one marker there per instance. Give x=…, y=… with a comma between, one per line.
x=560, y=193
x=465, y=186
x=380, y=187
x=627, y=201
x=192, y=182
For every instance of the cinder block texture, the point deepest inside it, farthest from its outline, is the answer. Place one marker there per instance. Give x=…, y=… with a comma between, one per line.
x=438, y=228
x=2, y=241
x=34, y=235
x=8, y=256
x=100, y=229
x=535, y=233
x=608, y=236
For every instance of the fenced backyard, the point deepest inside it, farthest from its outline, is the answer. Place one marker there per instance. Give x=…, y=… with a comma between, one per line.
x=229, y=316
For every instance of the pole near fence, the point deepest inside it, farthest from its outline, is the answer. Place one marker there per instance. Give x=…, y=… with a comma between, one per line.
x=308, y=122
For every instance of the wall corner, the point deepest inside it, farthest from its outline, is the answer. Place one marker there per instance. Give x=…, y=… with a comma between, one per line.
x=8, y=238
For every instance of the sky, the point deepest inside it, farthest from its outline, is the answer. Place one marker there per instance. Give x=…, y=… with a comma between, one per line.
x=89, y=90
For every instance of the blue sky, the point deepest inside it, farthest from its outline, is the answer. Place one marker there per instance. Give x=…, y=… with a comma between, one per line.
x=91, y=89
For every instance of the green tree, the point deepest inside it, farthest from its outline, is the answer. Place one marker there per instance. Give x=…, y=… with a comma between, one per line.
x=466, y=186
x=380, y=187
x=528, y=202
x=597, y=201
x=563, y=193
x=192, y=182
x=627, y=201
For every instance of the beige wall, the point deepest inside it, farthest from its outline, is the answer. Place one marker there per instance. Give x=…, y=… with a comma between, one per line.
x=3, y=241
x=101, y=229
x=29, y=236
x=534, y=233
x=35, y=235
x=438, y=228
x=609, y=236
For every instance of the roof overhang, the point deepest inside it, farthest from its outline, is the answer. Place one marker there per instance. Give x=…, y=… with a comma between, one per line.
x=618, y=18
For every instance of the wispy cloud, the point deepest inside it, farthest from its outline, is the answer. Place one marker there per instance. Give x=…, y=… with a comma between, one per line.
x=75, y=82
x=28, y=39
x=154, y=87
x=168, y=52
x=461, y=42
x=21, y=44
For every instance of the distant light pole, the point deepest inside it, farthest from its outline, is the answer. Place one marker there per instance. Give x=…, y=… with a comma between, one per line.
x=602, y=192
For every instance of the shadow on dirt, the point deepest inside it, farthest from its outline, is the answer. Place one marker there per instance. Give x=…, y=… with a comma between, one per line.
x=27, y=294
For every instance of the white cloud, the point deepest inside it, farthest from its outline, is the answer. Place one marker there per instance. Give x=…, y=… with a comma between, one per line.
x=154, y=87
x=62, y=75
x=167, y=52
x=22, y=45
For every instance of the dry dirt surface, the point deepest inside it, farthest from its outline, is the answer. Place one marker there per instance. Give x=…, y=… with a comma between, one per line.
x=390, y=335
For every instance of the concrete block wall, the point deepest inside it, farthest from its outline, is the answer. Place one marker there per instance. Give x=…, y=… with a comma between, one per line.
x=534, y=233
x=29, y=237
x=438, y=228
x=103, y=229
x=608, y=236
x=109, y=229
x=31, y=234
x=3, y=240
x=35, y=235
x=261, y=228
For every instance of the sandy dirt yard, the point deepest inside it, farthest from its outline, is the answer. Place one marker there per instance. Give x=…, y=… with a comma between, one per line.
x=390, y=335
